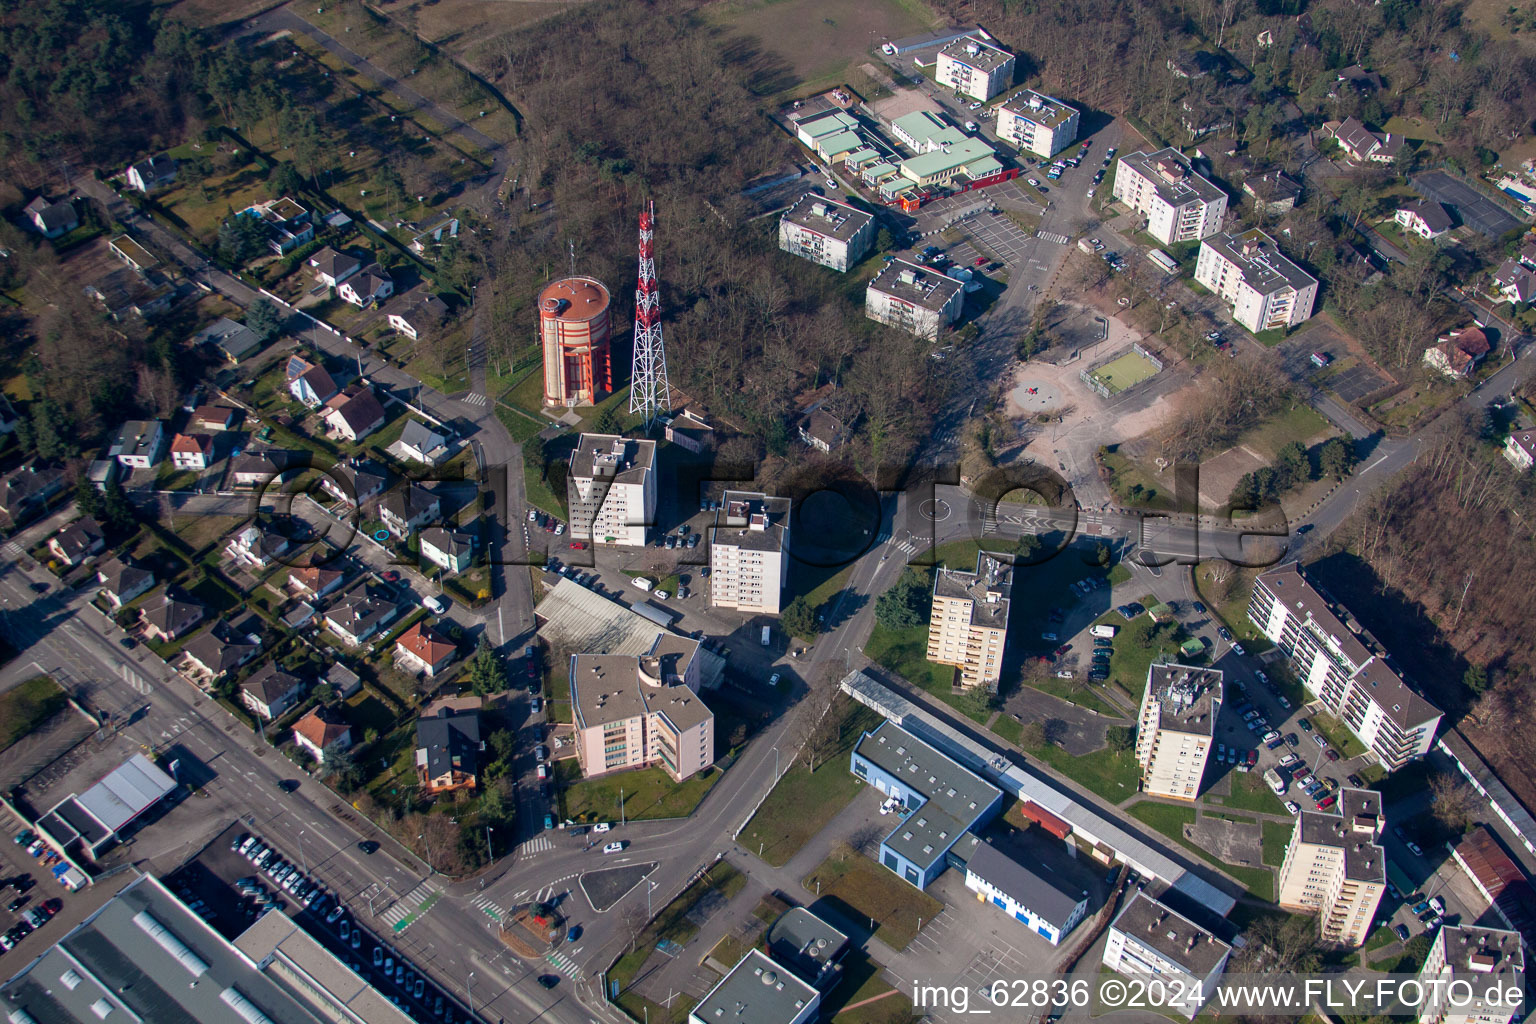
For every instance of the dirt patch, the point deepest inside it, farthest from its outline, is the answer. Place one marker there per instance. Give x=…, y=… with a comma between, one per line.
x=902, y=103
x=1220, y=474
x=819, y=38
x=1228, y=841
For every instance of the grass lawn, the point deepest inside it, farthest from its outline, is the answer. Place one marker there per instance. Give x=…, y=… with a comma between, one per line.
x=803, y=801
x=1130, y=659
x=1251, y=793
x=1338, y=735
x=520, y=425
x=202, y=532
x=1232, y=609
x=861, y=982
x=1078, y=691
x=1380, y=937
x=1009, y=728
x=1276, y=836
x=866, y=891
x=1105, y=772
x=817, y=584
x=905, y=652
x=27, y=706
x=1299, y=423
x=540, y=495
x=647, y=793
x=1170, y=821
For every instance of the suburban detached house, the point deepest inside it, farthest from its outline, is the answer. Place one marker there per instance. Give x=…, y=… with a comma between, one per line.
x=1357, y=79
x=233, y=339
x=29, y=486
x=256, y=469
x=415, y=315
x=321, y=732
x=357, y=621
x=355, y=413
x=151, y=173
x=271, y=691
x=287, y=222
x=1520, y=449
x=355, y=481
x=420, y=649
x=407, y=507
x=170, y=618
x=138, y=259
x=122, y=581
x=217, y=651
x=1363, y=145
x=78, y=541
x=332, y=267
x=448, y=747
x=140, y=444
x=213, y=417
x=823, y=431
x=192, y=451
x=343, y=680
x=447, y=549
x=256, y=548
x=1458, y=353
x=421, y=443
x=367, y=286
x=308, y=383
x=1425, y=218
x=315, y=581
x=1513, y=282
x=52, y=219
x=1273, y=192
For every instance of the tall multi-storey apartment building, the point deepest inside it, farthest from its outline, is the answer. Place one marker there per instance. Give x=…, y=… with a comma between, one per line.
x=1343, y=666
x=1249, y=273
x=825, y=231
x=611, y=489
x=1149, y=939
x=1176, y=728
x=633, y=711
x=969, y=625
x=916, y=299
x=1180, y=205
x=974, y=68
x=1334, y=865
x=748, y=552
x=1477, y=958
x=1037, y=123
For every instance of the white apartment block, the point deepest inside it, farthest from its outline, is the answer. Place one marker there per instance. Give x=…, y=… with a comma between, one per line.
x=825, y=231
x=1343, y=667
x=1179, y=205
x=631, y=711
x=974, y=68
x=611, y=489
x=1262, y=287
x=1176, y=728
x=918, y=300
x=748, y=552
x=1148, y=940
x=1479, y=958
x=969, y=624
x=1037, y=123
x=1335, y=867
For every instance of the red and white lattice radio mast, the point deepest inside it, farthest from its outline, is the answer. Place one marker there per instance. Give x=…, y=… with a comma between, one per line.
x=649, y=393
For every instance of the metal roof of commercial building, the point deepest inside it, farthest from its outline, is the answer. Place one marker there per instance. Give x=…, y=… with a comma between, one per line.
x=127, y=791
x=758, y=991
x=575, y=619
x=1027, y=887
x=292, y=959
x=1089, y=823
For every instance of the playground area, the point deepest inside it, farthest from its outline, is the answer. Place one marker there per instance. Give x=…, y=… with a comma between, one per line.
x=1121, y=373
x=1034, y=397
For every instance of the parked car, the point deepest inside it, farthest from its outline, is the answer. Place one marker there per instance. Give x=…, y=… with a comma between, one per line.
x=1327, y=802
x=1401, y=931
x=1292, y=807
x=1303, y=725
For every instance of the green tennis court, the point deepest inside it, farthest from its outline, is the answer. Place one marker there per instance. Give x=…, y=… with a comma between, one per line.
x=1125, y=372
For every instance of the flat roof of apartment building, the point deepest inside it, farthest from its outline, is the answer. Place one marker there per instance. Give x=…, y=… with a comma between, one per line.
x=608, y=688
x=1188, y=697
x=1176, y=182
x=1171, y=934
x=989, y=589
x=1046, y=111
x=1479, y=954
x=1260, y=261
x=626, y=459
x=1397, y=699
x=921, y=286
x=1354, y=830
x=976, y=53
x=827, y=217
x=750, y=520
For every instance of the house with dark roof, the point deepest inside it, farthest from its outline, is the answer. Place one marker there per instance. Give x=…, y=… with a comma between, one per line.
x=1273, y=192
x=170, y=618
x=1520, y=448
x=407, y=507
x=823, y=431
x=78, y=541
x=416, y=314
x=356, y=622
x=322, y=731
x=256, y=469
x=52, y=219
x=256, y=547
x=1425, y=218
x=332, y=267
x=343, y=680
x=447, y=549
x=271, y=691
x=1365, y=146
x=1513, y=282
x=355, y=481
x=1356, y=79
x=233, y=340
x=448, y=748
x=368, y=286
x=124, y=292
x=27, y=488
x=422, y=650
x=213, y=417
x=122, y=581
x=151, y=173
x=1457, y=354
x=309, y=383
x=1193, y=64
x=218, y=651
x=140, y=444
x=355, y=413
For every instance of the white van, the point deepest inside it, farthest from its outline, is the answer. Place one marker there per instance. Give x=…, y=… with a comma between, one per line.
x=643, y=583
x=766, y=634
x=1104, y=629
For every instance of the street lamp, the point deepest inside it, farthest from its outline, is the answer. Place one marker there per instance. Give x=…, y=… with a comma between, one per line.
x=427, y=845
x=302, y=855
x=489, y=852
x=469, y=992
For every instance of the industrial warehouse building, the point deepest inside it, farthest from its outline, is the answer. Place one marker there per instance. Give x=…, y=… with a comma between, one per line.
x=825, y=231
x=96, y=818
x=974, y=68
x=1262, y=287
x=1179, y=205
x=918, y=300
x=1037, y=123
x=1024, y=894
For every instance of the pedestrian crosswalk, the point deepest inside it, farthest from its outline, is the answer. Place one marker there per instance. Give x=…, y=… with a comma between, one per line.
x=13, y=550
x=402, y=913
x=487, y=907
x=1051, y=236
x=564, y=964
x=906, y=545
x=475, y=399
x=538, y=844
